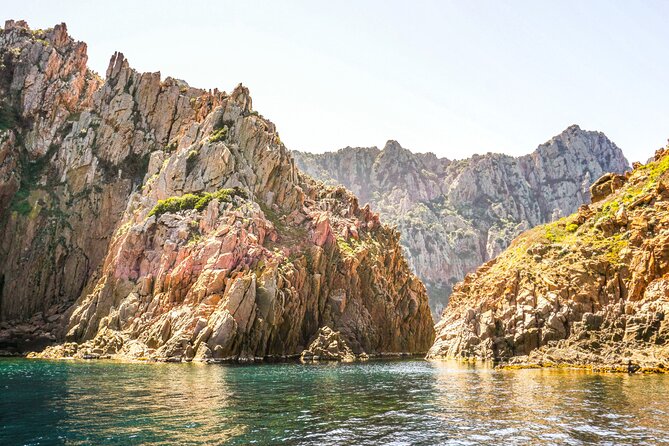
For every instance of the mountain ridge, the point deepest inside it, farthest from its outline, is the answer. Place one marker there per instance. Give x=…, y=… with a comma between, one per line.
x=456, y=214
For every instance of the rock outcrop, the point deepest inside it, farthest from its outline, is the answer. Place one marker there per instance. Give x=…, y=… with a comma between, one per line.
x=456, y=215
x=146, y=218
x=591, y=289
x=328, y=346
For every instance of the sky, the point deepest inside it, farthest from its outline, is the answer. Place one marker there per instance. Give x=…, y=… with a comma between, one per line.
x=451, y=77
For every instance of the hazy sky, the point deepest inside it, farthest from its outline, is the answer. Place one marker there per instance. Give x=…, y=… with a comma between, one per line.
x=452, y=77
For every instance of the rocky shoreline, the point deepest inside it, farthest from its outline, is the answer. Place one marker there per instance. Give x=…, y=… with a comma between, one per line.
x=229, y=360
x=598, y=368
x=327, y=346
x=516, y=363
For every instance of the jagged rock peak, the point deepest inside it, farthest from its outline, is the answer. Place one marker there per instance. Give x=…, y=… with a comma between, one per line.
x=392, y=146
x=574, y=128
x=117, y=63
x=57, y=35
x=14, y=24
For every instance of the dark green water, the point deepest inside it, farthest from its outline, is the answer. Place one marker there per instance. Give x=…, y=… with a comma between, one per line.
x=397, y=403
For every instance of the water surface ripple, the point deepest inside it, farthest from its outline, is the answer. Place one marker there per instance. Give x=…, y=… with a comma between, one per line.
x=389, y=403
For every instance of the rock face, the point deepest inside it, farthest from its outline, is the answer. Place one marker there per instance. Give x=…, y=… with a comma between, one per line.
x=329, y=346
x=589, y=289
x=456, y=215
x=145, y=218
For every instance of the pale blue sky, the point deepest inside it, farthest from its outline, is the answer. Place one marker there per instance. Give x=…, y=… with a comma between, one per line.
x=452, y=77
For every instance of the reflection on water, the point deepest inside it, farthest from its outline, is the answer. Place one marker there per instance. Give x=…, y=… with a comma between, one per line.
x=401, y=402
x=553, y=406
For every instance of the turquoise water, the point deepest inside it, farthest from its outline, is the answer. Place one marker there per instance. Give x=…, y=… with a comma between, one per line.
x=395, y=402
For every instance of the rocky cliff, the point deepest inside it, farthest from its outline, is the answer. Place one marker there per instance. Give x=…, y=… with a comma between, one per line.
x=456, y=215
x=146, y=218
x=591, y=289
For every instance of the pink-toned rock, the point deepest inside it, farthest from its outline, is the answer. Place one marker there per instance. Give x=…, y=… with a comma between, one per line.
x=322, y=229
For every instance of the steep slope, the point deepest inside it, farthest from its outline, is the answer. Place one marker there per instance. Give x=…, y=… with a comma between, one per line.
x=147, y=218
x=455, y=215
x=589, y=289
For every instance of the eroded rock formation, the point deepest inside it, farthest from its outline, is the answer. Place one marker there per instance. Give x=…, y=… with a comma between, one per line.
x=591, y=289
x=328, y=346
x=146, y=218
x=456, y=215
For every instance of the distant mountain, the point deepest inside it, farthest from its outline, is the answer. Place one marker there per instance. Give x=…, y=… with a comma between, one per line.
x=456, y=215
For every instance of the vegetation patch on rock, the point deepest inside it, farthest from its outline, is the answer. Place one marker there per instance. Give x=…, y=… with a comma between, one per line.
x=194, y=201
x=219, y=134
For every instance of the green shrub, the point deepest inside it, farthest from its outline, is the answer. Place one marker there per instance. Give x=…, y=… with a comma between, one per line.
x=194, y=201
x=22, y=207
x=349, y=247
x=275, y=218
x=572, y=227
x=222, y=195
x=171, y=204
x=171, y=147
x=345, y=248
x=609, y=209
x=219, y=134
x=30, y=176
x=555, y=233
